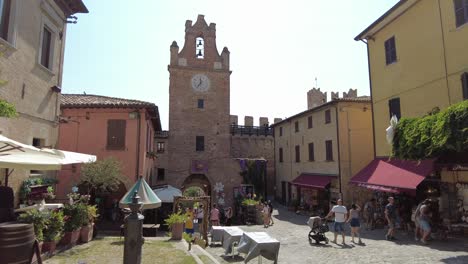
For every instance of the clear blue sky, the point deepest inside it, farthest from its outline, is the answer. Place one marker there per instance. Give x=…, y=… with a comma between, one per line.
x=278, y=48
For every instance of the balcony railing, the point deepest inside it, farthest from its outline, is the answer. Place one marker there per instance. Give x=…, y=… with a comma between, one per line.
x=251, y=130
x=162, y=134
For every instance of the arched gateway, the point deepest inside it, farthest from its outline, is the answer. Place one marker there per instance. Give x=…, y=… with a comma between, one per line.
x=197, y=180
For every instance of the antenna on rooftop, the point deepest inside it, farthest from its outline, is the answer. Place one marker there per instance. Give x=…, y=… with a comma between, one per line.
x=316, y=83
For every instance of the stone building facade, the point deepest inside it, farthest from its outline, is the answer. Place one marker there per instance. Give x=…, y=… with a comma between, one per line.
x=204, y=142
x=318, y=150
x=32, y=43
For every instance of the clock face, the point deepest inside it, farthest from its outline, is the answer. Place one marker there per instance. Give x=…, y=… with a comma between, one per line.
x=200, y=83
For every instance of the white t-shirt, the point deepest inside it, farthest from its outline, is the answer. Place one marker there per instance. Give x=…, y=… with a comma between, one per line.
x=340, y=213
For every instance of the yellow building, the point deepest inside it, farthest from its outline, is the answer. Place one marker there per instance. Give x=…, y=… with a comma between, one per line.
x=318, y=150
x=418, y=62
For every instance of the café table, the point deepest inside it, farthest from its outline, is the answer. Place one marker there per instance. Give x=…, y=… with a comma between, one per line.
x=258, y=244
x=217, y=233
x=231, y=236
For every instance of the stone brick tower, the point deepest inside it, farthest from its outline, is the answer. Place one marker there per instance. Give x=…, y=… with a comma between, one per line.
x=199, y=120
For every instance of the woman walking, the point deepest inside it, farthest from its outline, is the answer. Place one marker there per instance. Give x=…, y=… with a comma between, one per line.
x=354, y=222
x=266, y=215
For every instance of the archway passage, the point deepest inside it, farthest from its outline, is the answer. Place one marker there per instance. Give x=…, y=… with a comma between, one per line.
x=200, y=181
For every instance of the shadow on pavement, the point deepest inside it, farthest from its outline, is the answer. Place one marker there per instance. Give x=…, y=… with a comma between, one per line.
x=457, y=259
x=231, y=259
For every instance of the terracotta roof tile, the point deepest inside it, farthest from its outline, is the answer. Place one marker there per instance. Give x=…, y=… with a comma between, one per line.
x=99, y=101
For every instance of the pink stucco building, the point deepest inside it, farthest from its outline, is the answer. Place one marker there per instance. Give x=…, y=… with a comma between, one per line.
x=107, y=127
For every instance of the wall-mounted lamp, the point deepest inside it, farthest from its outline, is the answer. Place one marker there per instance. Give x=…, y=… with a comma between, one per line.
x=133, y=115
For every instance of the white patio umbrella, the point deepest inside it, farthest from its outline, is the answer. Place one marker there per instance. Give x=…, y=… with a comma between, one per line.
x=167, y=193
x=16, y=155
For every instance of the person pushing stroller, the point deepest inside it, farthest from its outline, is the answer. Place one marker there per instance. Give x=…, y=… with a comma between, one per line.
x=341, y=214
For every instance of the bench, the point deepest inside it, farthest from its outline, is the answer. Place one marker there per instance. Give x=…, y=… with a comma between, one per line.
x=149, y=228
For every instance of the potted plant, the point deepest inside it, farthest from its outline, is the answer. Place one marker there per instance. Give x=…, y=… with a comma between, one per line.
x=176, y=224
x=53, y=231
x=39, y=221
x=73, y=222
x=86, y=233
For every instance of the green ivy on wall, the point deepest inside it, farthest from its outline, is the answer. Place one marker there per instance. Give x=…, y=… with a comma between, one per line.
x=7, y=109
x=432, y=135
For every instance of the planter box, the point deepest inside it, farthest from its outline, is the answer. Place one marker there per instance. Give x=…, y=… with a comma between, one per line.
x=177, y=230
x=86, y=233
x=70, y=238
x=49, y=247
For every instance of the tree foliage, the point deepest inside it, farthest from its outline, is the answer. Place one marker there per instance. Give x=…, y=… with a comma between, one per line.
x=7, y=109
x=255, y=174
x=103, y=175
x=433, y=135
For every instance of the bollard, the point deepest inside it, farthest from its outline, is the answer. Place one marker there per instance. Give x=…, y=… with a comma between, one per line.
x=133, y=233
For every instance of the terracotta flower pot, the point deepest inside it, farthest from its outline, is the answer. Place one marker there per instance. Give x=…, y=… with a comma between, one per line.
x=75, y=236
x=86, y=233
x=177, y=230
x=49, y=247
x=66, y=239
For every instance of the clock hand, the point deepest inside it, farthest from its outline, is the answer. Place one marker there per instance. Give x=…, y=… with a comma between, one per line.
x=199, y=82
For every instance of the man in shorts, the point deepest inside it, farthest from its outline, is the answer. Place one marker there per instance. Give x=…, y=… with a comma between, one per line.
x=341, y=214
x=390, y=214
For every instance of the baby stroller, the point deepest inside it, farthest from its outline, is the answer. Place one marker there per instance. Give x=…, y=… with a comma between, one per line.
x=318, y=228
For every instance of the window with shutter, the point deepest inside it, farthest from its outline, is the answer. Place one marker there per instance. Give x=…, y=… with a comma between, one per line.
x=329, y=150
x=309, y=122
x=461, y=12
x=46, y=48
x=464, y=79
x=160, y=147
x=394, y=107
x=280, y=154
x=296, y=126
x=116, y=134
x=281, y=131
x=390, y=51
x=327, y=116
x=5, y=6
x=311, y=152
x=161, y=174
x=201, y=103
x=200, y=143
x=298, y=154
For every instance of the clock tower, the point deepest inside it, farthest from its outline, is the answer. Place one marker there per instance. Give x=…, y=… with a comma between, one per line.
x=199, y=91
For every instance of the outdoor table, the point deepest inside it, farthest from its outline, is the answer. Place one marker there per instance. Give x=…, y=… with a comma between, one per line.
x=256, y=244
x=217, y=233
x=231, y=235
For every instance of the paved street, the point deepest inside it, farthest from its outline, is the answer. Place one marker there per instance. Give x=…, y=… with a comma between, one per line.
x=291, y=230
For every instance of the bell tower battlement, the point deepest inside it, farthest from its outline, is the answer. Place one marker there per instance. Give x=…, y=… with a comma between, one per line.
x=200, y=49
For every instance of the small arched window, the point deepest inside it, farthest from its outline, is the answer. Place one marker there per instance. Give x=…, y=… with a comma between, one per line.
x=199, y=48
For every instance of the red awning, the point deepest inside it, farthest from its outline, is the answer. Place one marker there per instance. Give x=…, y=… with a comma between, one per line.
x=311, y=180
x=393, y=175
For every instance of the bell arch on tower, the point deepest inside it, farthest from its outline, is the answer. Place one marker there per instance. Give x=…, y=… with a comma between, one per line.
x=200, y=48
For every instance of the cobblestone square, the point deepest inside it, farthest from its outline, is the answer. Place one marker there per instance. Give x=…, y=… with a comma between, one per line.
x=291, y=230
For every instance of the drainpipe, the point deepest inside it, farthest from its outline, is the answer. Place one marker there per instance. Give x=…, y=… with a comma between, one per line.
x=338, y=143
x=372, y=99
x=137, y=170
x=445, y=55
